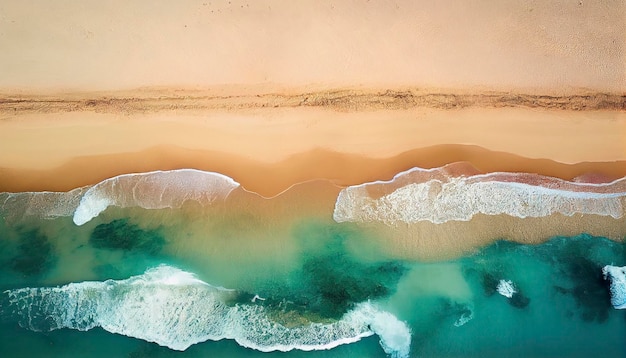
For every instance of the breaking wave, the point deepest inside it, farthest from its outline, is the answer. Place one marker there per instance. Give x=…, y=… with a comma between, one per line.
x=617, y=284
x=173, y=308
x=437, y=196
x=153, y=190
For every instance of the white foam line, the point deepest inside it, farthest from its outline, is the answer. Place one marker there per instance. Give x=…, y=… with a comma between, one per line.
x=143, y=174
x=44, y=205
x=108, y=192
x=554, y=179
x=460, y=198
x=10, y=195
x=173, y=308
x=395, y=177
x=481, y=176
x=556, y=192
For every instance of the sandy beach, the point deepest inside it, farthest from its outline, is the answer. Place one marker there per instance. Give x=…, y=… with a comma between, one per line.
x=275, y=94
x=271, y=150
x=268, y=150
x=124, y=88
x=358, y=178
x=550, y=47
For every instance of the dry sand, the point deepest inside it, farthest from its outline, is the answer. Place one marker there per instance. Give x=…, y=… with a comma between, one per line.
x=95, y=45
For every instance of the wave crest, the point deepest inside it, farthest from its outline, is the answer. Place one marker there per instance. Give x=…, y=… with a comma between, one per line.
x=436, y=196
x=173, y=308
x=153, y=190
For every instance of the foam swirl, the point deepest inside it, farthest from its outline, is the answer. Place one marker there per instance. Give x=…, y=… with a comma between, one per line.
x=173, y=308
x=153, y=190
x=438, y=196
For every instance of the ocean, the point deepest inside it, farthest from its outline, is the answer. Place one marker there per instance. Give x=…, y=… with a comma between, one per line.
x=188, y=263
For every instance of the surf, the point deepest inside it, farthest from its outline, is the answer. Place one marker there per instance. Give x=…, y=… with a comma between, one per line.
x=441, y=195
x=175, y=309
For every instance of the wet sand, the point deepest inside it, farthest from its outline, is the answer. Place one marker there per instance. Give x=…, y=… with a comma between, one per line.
x=268, y=150
x=432, y=242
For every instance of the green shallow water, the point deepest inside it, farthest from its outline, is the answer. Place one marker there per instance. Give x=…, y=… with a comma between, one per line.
x=315, y=271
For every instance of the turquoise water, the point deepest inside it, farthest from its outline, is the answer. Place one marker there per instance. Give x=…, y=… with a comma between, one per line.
x=307, y=280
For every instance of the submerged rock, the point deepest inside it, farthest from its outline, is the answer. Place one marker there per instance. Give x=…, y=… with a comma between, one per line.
x=617, y=279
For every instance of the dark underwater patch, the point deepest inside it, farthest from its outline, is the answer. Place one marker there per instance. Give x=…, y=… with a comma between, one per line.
x=149, y=349
x=332, y=281
x=491, y=265
x=338, y=282
x=447, y=310
x=35, y=254
x=122, y=235
x=590, y=290
x=580, y=260
x=519, y=300
x=490, y=284
x=577, y=270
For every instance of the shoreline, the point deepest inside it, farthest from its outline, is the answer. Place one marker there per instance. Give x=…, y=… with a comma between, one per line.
x=271, y=179
x=272, y=223
x=301, y=155
x=269, y=149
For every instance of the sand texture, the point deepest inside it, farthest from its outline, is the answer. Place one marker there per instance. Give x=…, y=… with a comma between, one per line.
x=545, y=46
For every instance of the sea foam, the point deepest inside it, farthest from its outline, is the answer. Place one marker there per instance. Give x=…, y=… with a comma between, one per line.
x=617, y=278
x=42, y=205
x=435, y=196
x=175, y=309
x=506, y=288
x=153, y=190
